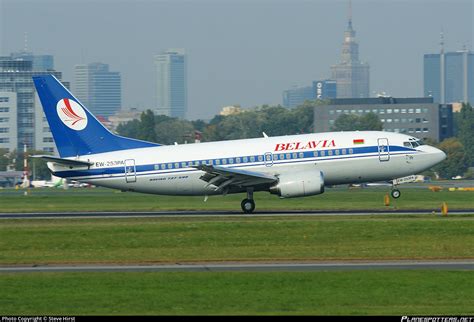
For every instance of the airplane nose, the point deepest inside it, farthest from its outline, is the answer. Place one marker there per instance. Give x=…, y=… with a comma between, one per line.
x=437, y=154
x=441, y=155
x=434, y=155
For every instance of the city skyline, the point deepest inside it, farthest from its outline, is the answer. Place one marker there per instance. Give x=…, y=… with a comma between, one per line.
x=239, y=52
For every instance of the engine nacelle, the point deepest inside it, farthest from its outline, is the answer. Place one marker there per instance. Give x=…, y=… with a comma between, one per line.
x=299, y=184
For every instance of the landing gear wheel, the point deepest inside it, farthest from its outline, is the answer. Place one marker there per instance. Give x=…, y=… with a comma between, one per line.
x=396, y=193
x=248, y=206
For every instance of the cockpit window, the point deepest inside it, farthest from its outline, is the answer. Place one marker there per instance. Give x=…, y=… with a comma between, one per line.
x=413, y=143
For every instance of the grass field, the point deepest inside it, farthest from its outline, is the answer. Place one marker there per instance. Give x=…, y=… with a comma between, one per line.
x=183, y=239
x=52, y=200
x=343, y=293
x=241, y=238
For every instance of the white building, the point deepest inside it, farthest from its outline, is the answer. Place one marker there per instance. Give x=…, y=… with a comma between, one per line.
x=43, y=136
x=8, y=121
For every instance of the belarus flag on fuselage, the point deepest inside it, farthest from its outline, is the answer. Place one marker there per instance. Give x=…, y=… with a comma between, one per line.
x=358, y=141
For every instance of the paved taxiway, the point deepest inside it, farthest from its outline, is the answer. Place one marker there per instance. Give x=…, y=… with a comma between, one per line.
x=227, y=213
x=255, y=267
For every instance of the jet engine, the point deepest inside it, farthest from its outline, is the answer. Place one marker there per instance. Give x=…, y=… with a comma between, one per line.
x=299, y=184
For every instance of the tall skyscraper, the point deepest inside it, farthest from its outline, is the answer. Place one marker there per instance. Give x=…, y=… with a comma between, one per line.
x=296, y=96
x=98, y=88
x=40, y=62
x=19, y=108
x=449, y=77
x=321, y=90
x=171, y=87
x=351, y=75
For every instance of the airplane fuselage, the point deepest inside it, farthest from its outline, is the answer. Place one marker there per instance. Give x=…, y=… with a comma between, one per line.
x=342, y=157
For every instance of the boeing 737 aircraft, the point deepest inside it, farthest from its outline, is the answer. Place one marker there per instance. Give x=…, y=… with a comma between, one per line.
x=288, y=166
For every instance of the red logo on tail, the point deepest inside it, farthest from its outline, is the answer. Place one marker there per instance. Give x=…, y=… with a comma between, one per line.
x=71, y=114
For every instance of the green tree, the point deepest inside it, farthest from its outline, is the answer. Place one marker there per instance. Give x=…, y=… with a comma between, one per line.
x=352, y=122
x=174, y=130
x=455, y=163
x=465, y=131
x=371, y=122
x=4, y=159
x=346, y=122
x=147, y=126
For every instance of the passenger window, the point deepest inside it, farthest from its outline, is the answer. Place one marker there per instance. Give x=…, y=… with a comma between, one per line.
x=237, y=160
x=217, y=162
x=260, y=158
x=295, y=156
x=224, y=161
x=246, y=159
x=288, y=156
x=323, y=153
x=301, y=155
x=330, y=152
x=252, y=159
x=163, y=166
x=315, y=153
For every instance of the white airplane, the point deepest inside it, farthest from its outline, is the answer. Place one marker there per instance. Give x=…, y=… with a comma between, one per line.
x=288, y=166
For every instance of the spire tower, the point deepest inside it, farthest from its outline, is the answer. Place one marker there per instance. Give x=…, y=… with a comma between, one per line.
x=351, y=75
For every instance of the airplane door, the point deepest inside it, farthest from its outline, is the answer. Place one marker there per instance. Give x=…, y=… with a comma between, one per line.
x=384, y=150
x=268, y=159
x=130, y=171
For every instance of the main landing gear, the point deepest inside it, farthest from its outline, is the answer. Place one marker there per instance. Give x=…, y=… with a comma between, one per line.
x=395, y=193
x=248, y=205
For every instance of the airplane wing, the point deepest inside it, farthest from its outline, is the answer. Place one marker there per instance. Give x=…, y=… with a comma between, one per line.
x=222, y=177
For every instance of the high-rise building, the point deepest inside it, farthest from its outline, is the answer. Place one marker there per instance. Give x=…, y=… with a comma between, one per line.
x=40, y=62
x=324, y=89
x=320, y=90
x=98, y=88
x=351, y=75
x=449, y=77
x=297, y=95
x=171, y=87
x=8, y=123
x=19, y=109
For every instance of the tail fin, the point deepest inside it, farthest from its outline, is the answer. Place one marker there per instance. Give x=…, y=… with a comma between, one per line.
x=75, y=130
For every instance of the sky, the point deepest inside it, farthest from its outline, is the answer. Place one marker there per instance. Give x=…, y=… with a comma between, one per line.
x=243, y=52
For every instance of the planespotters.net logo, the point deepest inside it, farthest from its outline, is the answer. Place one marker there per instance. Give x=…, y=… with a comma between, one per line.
x=72, y=114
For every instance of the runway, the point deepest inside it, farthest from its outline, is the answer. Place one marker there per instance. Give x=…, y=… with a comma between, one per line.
x=254, y=267
x=185, y=213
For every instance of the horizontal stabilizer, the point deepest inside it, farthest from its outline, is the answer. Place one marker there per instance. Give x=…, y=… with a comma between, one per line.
x=66, y=162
